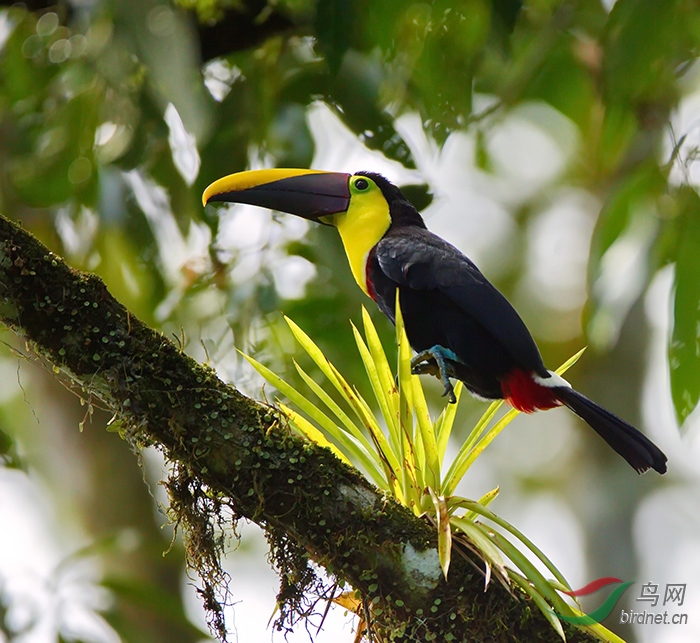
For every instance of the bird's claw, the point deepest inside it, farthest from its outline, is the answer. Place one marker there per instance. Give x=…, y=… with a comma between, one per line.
x=449, y=392
x=425, y=368
x=435, y=361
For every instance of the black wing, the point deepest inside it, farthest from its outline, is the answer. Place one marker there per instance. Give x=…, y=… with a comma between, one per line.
x=422, y=262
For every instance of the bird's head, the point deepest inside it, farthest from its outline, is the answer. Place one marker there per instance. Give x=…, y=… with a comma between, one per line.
x=362, y=206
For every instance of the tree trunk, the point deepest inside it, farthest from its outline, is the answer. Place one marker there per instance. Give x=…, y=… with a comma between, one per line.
x=233, y=453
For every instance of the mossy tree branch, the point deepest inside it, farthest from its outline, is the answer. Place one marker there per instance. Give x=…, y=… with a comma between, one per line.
x=230, y=451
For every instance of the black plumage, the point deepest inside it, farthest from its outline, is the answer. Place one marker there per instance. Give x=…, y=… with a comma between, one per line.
x=447, y=302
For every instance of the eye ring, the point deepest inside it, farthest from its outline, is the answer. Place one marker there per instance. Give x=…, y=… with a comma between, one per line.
x=361, y=184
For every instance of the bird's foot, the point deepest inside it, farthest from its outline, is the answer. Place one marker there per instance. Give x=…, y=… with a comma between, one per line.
x=437, y=361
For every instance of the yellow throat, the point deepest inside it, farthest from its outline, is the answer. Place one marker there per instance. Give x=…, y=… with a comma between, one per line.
x=361, y=227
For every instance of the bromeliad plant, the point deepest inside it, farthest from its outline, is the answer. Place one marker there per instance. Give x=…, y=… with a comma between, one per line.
x=406, y=459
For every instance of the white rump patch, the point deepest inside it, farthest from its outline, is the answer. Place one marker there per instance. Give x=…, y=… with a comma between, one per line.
x=553, y=381
x=481, y=398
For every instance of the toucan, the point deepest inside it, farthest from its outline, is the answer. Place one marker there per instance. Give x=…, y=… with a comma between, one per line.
x=459, y=324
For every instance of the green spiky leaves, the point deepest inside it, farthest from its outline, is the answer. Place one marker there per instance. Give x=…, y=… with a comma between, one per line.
x=403, y=451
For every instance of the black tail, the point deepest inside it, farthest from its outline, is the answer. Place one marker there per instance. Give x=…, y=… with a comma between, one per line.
x=632, y=445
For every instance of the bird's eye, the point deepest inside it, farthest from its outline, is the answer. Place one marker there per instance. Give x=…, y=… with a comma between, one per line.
x=361, y=184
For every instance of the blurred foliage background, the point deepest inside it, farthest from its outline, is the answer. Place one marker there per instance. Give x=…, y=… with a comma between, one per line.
x=555, y=142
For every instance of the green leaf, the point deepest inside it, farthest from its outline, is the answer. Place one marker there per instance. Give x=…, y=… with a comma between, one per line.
x=480, y=508
x=442, y=517
x=345, y=439
x=489, y=497
x=334, y=408
x=430, y=463
x=684, y=351
x=531, y=572
x=643, y=42
x=570, y=362
x=539, y=600
x=445, y=422
x=481, y=538
x=60, y=163
x=462, y=460
x=393, y=445
x=597, y=629
x=385, y=374
x=9, y=458
x=412, y=448
x=380, y=392
x=390, y=460
x=645, y=184
x=484, y=501
x=308, y=430
x=361, y=408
